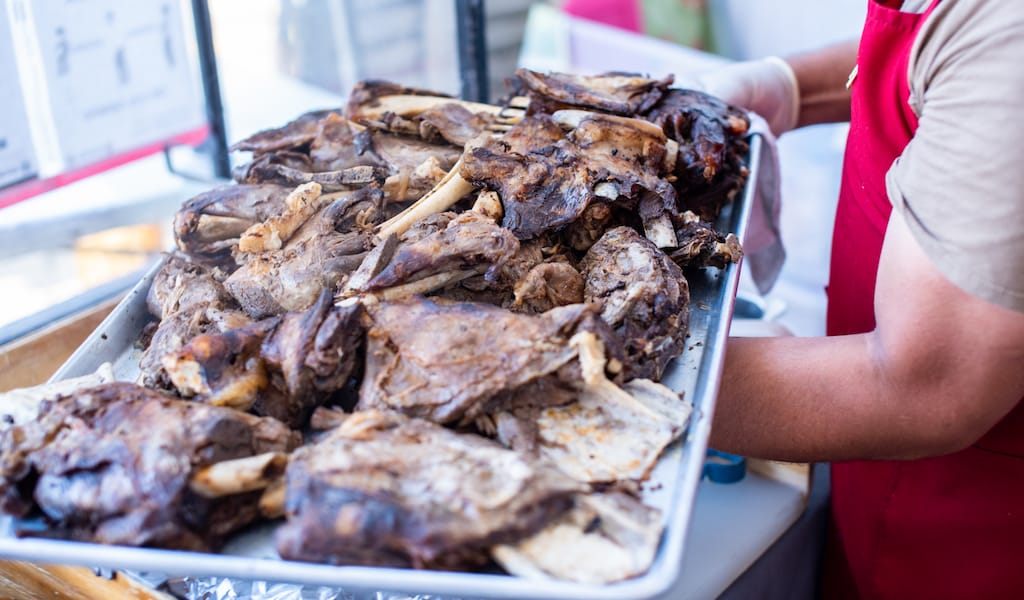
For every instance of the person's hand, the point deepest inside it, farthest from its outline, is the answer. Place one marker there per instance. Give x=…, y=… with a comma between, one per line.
x=767, y=87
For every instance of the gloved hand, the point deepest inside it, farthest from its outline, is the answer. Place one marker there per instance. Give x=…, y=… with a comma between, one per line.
x=767, y=87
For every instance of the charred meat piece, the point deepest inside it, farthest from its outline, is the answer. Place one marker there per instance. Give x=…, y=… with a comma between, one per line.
x=189, y=301
x=366, y=94
x=701, y=245
x=443, y=362
x=295, y=134
x=547, y=178
x=322, y=250
x=446, y=123
x=382, y=489
x=281, y=367
x=292, y=169
x=709, y=168
x=114, y=464
x=223, y=368
x=469, y=244
x=176, y=330
x=548, y=285
x=603, y=538
x=645, y=299
x=208, y=225
x=618, y=93
x=182, y=284
x=308, y=358
x=603, y=433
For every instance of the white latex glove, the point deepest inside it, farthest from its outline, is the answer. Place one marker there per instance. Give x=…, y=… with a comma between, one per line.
x=767, y=87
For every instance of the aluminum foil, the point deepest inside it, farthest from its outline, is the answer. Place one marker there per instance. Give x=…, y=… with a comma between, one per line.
x=222, y=588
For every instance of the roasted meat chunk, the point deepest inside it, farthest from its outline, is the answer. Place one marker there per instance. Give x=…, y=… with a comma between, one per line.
x=323, y=249
x=468, y=244
x=444, y=361
x=117, y=463
x=294, y=134
x=710, y=134
x=383, y=489
x=701, y=245
x=618, y=93
x=603, y=538
x=309, y=357
x=208, y=226
x=644, y=296
x=547, y=177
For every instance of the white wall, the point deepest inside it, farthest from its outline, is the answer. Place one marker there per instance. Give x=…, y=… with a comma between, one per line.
x=745, y=29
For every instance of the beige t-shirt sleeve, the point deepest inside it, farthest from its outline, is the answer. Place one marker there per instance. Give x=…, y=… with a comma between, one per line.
x=960, y=182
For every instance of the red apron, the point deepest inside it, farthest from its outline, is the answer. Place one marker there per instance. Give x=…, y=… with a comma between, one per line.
x=946, y=527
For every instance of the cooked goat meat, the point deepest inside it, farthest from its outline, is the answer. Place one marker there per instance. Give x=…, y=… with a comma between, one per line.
x=443, y=362
x=709, y=168
x=644, y=298
x=309, y=357
x=382, y=489
x=642, y=417
x=701, y=245
x=365, y=94
x=583, y=232
x=341, y=144
x=412, y=166
x=223, y=368
x=175, y=330
x=182, y=284
x=548, y=285
x=618, y=93
x=295, y=134
x=469, y=244
x=115, y=464
x=291, y=169
x=447, y=123
x=188, y=300
x=282, y=367
x=208, y=225
x=322, y=250
x=603, y=538
x=547, y=178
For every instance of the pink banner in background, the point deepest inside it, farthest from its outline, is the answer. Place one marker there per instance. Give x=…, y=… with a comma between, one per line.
x=624, y=14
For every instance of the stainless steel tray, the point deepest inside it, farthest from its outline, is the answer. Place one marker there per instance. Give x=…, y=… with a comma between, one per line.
x=250, y=555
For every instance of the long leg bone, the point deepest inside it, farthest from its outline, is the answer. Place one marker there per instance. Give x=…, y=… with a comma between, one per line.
x=446, y=193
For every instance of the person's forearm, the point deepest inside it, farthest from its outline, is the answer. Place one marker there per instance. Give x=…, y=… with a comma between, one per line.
x=821, y=77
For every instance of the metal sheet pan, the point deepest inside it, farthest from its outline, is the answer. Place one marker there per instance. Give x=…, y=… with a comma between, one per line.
x=250, y=556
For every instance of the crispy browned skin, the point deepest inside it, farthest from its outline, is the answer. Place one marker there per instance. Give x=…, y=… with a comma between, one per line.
x=701, y=245
x=443, y=362
x=327, y=247
x=209, y=225
x=189, y=300
x=468, y=243
x=618, y=93
x=111, y=464
x=547, y=178
x=365, y=94
x=710, y=134
x=309, y=357
x=383, y=489
x=645, y=299
x=294, y=134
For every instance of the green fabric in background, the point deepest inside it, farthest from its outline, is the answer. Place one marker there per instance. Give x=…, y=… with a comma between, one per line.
x=684, y=22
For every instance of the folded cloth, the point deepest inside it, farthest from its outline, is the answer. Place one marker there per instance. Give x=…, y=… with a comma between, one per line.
x=762, y=243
